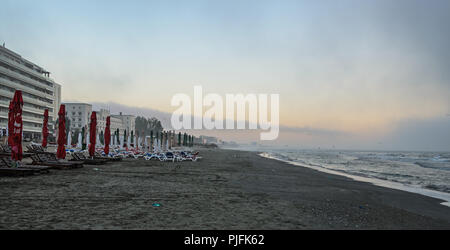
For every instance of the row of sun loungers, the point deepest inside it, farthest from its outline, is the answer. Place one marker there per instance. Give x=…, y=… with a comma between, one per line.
x=5, y=150
x=173, y=156
x=43, y=161
x=7, y=168
x=50, y=160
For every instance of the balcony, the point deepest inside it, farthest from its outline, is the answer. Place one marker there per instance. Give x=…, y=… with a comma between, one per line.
x=10, y=95
x=25, y=89
x=25, y=69
x=25, y=79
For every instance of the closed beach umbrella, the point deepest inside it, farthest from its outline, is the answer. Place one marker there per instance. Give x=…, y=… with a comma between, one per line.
x=83, y=138
x=131, y=138
x=151, y=140
x=61, y=152
x=10, y=123
x=125, y=136
x=136, y=141
x=15, y=125
x=88, y=138
x=107, y=135
x=69, y=139
x=97, y=140
x=92, y=132
x=80, y=138
x=45, y=129
x=122, y=140
x=128, y=141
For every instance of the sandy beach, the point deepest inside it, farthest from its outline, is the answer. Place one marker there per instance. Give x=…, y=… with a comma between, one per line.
x=225, y=190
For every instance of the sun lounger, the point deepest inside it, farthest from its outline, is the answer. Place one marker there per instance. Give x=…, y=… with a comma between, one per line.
x=99, y=156
x=90, y=161
x=6, y=170
x=35, y=149
x=50, y=160
x=5, y=150
x=41, y=169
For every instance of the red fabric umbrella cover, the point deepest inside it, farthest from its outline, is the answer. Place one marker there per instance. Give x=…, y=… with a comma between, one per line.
x=15, y=126
x=10, y=123
x=45, y=129
x=107, y=134
x=61, y=152
x=92, y=134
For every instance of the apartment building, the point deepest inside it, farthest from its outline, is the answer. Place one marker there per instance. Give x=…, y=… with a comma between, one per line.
x=39, y=92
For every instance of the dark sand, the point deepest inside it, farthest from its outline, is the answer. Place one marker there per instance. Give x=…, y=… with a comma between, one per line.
x=225, y=190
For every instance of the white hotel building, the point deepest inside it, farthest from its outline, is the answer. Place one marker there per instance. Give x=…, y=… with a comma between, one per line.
x=79, y=115
x=39, y=92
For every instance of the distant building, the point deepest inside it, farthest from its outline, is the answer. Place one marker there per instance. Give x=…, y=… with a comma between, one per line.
x=128, y=122
x=207, y=139
x=79, y=115
x=39, y=92
x=116, y=123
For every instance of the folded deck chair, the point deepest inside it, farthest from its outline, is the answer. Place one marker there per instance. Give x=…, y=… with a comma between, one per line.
x=50, y=160
x=40, y=169
x=6, y=170
x=107, y=158
x=81, y=157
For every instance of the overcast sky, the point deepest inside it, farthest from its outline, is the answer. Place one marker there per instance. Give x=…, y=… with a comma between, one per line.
x=369, y=72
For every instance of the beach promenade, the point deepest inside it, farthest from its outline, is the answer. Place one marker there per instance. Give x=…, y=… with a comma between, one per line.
x=224, y=190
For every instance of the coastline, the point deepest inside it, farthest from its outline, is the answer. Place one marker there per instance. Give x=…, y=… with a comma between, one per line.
x=227, y=189
x=445, y=197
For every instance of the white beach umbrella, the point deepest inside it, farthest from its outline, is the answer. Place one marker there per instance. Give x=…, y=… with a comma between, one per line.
x=111, y=142
x=129, y=141
x=97, y=141
x=79, y=140
x=69, y=139
x=146, y=144
x=121, y=141
x=88, y=139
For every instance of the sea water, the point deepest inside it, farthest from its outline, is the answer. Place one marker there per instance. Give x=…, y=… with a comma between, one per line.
x=426, y=173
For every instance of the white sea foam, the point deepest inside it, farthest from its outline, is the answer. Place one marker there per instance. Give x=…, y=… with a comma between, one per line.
x=425, y=173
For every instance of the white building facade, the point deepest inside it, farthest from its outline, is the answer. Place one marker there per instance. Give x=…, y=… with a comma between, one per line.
x=39, y=92
x=79, y=115
x=128, y=122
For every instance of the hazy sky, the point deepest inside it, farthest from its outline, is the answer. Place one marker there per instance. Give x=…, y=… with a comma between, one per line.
x=359, y=68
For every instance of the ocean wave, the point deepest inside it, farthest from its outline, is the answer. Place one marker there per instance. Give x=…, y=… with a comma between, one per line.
x=432, y=165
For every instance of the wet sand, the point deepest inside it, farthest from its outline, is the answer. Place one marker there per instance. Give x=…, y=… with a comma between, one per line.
x=225, y=190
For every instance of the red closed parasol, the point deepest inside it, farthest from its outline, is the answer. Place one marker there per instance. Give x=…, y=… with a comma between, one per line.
x=15, y=126
x=107, y=134
x=10, y=123
x=92, y=134
x=45, y=129
x=61, y=153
